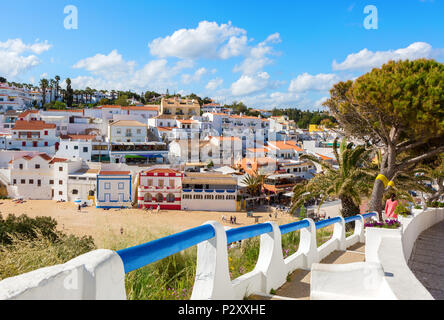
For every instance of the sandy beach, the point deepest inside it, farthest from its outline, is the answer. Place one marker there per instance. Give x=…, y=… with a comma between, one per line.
x=102, y=224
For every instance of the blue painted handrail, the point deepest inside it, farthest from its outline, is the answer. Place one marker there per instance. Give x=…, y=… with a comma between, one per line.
x=238, y=234
x=325, y=223
x=369, y=215
x=286, y=228
x=353, y=218
x=141, y=255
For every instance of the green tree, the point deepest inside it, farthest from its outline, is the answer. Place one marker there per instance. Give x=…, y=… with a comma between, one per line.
x=254, y=183
x=44, y=86
x=399, y=108
x=69, y=93
x=349, y=182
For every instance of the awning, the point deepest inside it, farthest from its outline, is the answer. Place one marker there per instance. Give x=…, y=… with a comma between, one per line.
x=133, y=156
x=152, y=155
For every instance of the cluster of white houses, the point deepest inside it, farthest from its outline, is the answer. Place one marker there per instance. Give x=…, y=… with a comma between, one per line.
x=115, y=156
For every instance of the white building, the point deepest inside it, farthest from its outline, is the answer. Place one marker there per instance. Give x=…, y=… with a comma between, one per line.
x=41, y=177
x=34, y=136
x=113, y=189
x=127, y=131
x=160, y=187
x=209, y=192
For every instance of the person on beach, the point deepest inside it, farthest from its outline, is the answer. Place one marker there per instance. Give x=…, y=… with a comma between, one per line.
x=390, y=207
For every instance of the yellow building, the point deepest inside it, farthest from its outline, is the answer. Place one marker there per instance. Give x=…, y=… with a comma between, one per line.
x=180, y=108
x=314, y=128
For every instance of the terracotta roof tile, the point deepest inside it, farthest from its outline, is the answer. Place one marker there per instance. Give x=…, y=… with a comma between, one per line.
x=114, y=173
x=33, y=125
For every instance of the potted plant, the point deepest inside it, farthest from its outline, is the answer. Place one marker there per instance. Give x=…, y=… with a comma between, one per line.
x=417, y=209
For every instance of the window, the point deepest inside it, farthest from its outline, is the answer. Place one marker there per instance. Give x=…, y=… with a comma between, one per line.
x=23, y=181
x=21, y=166
x=14, y=181
x=121, y=186
x=220, y=197
x=75, y=191
x=209, y=197
x=31, y=181
x=85, y=149
x=34, y=144
x=60, y=182
x=198, y=197
x=76, y=147
x=230, y=197
x=46, y=143
x=23, y=143
x=60, y=168
x=107, y=185
x=187, y=196
x=46, y=132
x=172, y=183
x=148, y=197
x=161, y=183
x=51, y=181
x=171, y=197
x=150, y=182
x=60, y=193
x=159, y=197
x=139, y=131
x=39, y=183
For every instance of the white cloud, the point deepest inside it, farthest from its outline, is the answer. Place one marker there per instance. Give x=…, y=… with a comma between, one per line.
x=248, y=84
x=366, y=59
x=307, y=82
x=208, y=40
x=113, y=72
x=256, y=58
x=188, y=78
x=13, y=60
x=111, y=65
x=213, y=84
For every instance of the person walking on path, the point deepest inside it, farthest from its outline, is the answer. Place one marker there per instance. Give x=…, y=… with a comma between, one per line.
x=390, y=207
x=158, y=208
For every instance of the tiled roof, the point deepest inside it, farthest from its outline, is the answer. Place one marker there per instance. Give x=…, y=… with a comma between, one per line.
x=65, y=110
x=129, y=123
x=114, y=173
x=142, y=108
x=54, y=160
x=78, y=136
x=282, y=145
x=324, y=157
x=25, y=113
x=33, y=125
x=162, y=170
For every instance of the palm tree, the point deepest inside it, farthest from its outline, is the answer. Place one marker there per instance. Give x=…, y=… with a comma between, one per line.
x=254, y=183
x=44, y=86
x=57, y=80
x=352, y=180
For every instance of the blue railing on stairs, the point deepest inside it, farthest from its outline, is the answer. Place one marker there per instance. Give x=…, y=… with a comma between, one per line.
x=144, y=254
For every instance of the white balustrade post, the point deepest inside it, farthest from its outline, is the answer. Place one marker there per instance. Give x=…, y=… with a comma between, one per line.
x=339, y=234
x=271, y=260
x=308, y=245
x=212, y=281
x=359, y=228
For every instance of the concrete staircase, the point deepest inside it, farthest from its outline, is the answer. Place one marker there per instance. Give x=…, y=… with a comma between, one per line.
x=298, y=286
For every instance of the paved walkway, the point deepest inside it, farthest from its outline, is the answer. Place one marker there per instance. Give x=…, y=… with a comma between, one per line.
x=427, y=260
x=298, y=288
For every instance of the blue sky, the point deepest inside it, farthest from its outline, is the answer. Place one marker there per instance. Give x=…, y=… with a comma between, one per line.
x=264, y=53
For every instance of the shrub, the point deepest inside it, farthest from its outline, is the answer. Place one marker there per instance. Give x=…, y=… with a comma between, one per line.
x=401, y=210
x=27, y=228
x=417, y=206
x=441, y=205
x=388, y=224
x=27, y=244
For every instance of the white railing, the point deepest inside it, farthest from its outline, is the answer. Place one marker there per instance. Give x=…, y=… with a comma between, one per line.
x=100, y=274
